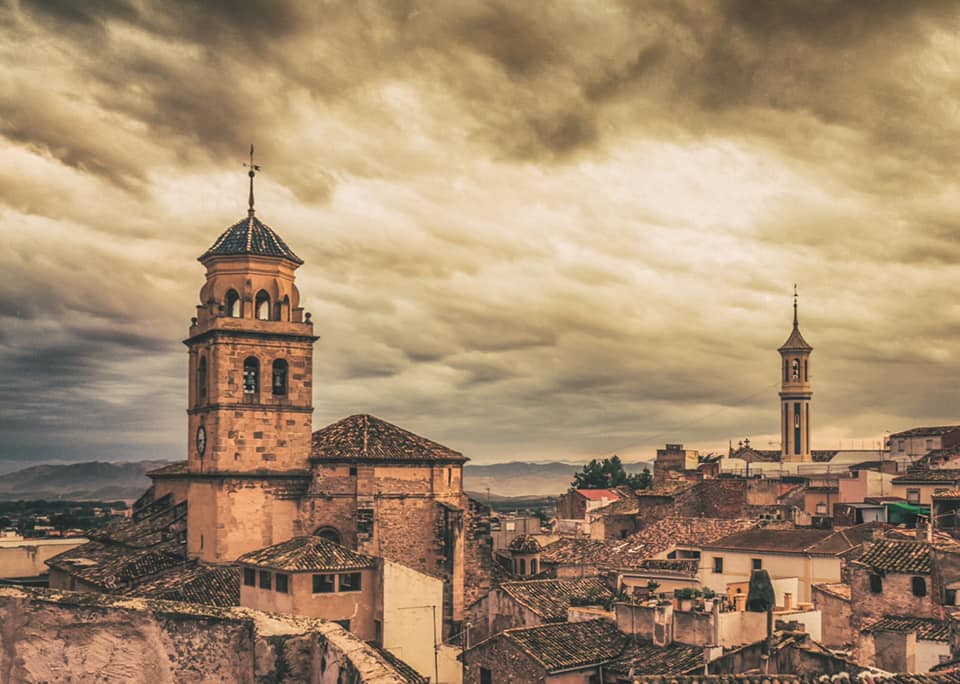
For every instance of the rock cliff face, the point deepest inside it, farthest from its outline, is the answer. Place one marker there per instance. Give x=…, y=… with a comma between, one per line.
x=50, y=636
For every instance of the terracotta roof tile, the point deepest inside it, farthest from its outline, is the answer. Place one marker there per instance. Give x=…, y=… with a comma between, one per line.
x=929, y=475
x=784, y=541
x=525, y=543
x=934, y=431
x=645, y=658
x=115, y=566
x=550, y=598
x=365, y=437
x=306, y=554
x=250, y=236
x=632, y=552
x=907, y=557
x=838, y=589
x=927, y=629
x=563, y=645
x=952, y=494
x=211, y=585
x=599, y=494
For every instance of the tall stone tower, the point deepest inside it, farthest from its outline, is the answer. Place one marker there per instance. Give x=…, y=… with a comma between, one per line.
x=795, y=394
x=250, y=395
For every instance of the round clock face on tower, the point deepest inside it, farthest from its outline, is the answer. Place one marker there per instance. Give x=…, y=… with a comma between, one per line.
x=201, y=440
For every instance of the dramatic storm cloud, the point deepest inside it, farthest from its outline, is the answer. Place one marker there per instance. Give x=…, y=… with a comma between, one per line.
x=531, y=230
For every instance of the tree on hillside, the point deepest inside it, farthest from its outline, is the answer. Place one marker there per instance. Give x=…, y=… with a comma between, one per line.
x=606, y=474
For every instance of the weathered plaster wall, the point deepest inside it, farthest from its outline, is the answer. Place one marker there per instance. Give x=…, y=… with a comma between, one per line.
x=51, y=636
x=25, y=557
x=835, y=616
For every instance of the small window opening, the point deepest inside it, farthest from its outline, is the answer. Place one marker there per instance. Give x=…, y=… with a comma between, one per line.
x=350, y=582
x=919, y=586
x=202, y=379
x=249, y=577
x=283, y=582
x=279, y=377
x=324, y=584
x=231, y=305
x=251, y=378
x=263, y=306
x=264, y=579
x=876, y=583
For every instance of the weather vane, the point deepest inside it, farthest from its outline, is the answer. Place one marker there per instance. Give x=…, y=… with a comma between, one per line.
x=253, y=172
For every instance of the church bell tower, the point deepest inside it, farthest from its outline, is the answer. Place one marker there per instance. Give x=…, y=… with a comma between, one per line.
x=250, y=400
x=795, y=394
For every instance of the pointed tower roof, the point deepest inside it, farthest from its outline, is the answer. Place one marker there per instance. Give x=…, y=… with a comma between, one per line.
x=795, y=342
x=251, y=236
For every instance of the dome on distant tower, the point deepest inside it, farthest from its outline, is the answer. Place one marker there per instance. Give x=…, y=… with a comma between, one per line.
x=525, y=543
x=250, y=236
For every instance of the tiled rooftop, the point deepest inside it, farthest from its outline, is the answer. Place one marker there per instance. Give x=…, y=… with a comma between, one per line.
x=550, y=598
x=935, y=431
x=178, y=468
x=908, y=557
x=115, y=566
x=306, y=554
x=630, y=553
x=795, y=342
x=797, y=540
x=644, y=658
x=365, y=437
x=563, y=645
x=525, y=543
x=929, y=475
x=838, y=589
x=251, y=236
x=211, y=585
x=952, y=494
x=599, y=494
x=927, y=629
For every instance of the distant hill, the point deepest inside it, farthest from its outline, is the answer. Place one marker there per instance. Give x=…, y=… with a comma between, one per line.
x=99, y=480
x=520, y=478
x=95, y=480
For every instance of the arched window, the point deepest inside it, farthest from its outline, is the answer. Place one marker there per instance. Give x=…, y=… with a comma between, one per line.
x=279, y=378
x=263, y=306
x=231, y=305
x=251, y=378
x=796, y=370
x=806, y=371
x=328, y=533
x=285, y=308
x=202, y=379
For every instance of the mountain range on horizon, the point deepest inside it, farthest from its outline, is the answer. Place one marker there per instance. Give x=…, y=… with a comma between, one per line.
x=127, y=480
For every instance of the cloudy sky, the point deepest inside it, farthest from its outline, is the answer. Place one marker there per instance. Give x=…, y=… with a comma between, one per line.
x=531, y=230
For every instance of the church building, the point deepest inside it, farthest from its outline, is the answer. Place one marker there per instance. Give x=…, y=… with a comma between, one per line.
x=257, y=474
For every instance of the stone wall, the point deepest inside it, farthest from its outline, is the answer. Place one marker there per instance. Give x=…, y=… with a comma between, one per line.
x=835, y=614
x=506, y=663
x=896, y=598
x=48, y=636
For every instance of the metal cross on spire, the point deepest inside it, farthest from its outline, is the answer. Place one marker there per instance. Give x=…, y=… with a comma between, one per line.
x=795, y=305
x=253, y=171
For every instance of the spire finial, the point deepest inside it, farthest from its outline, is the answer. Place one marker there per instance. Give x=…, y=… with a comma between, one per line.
x=253, y=171
x=795, y=305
